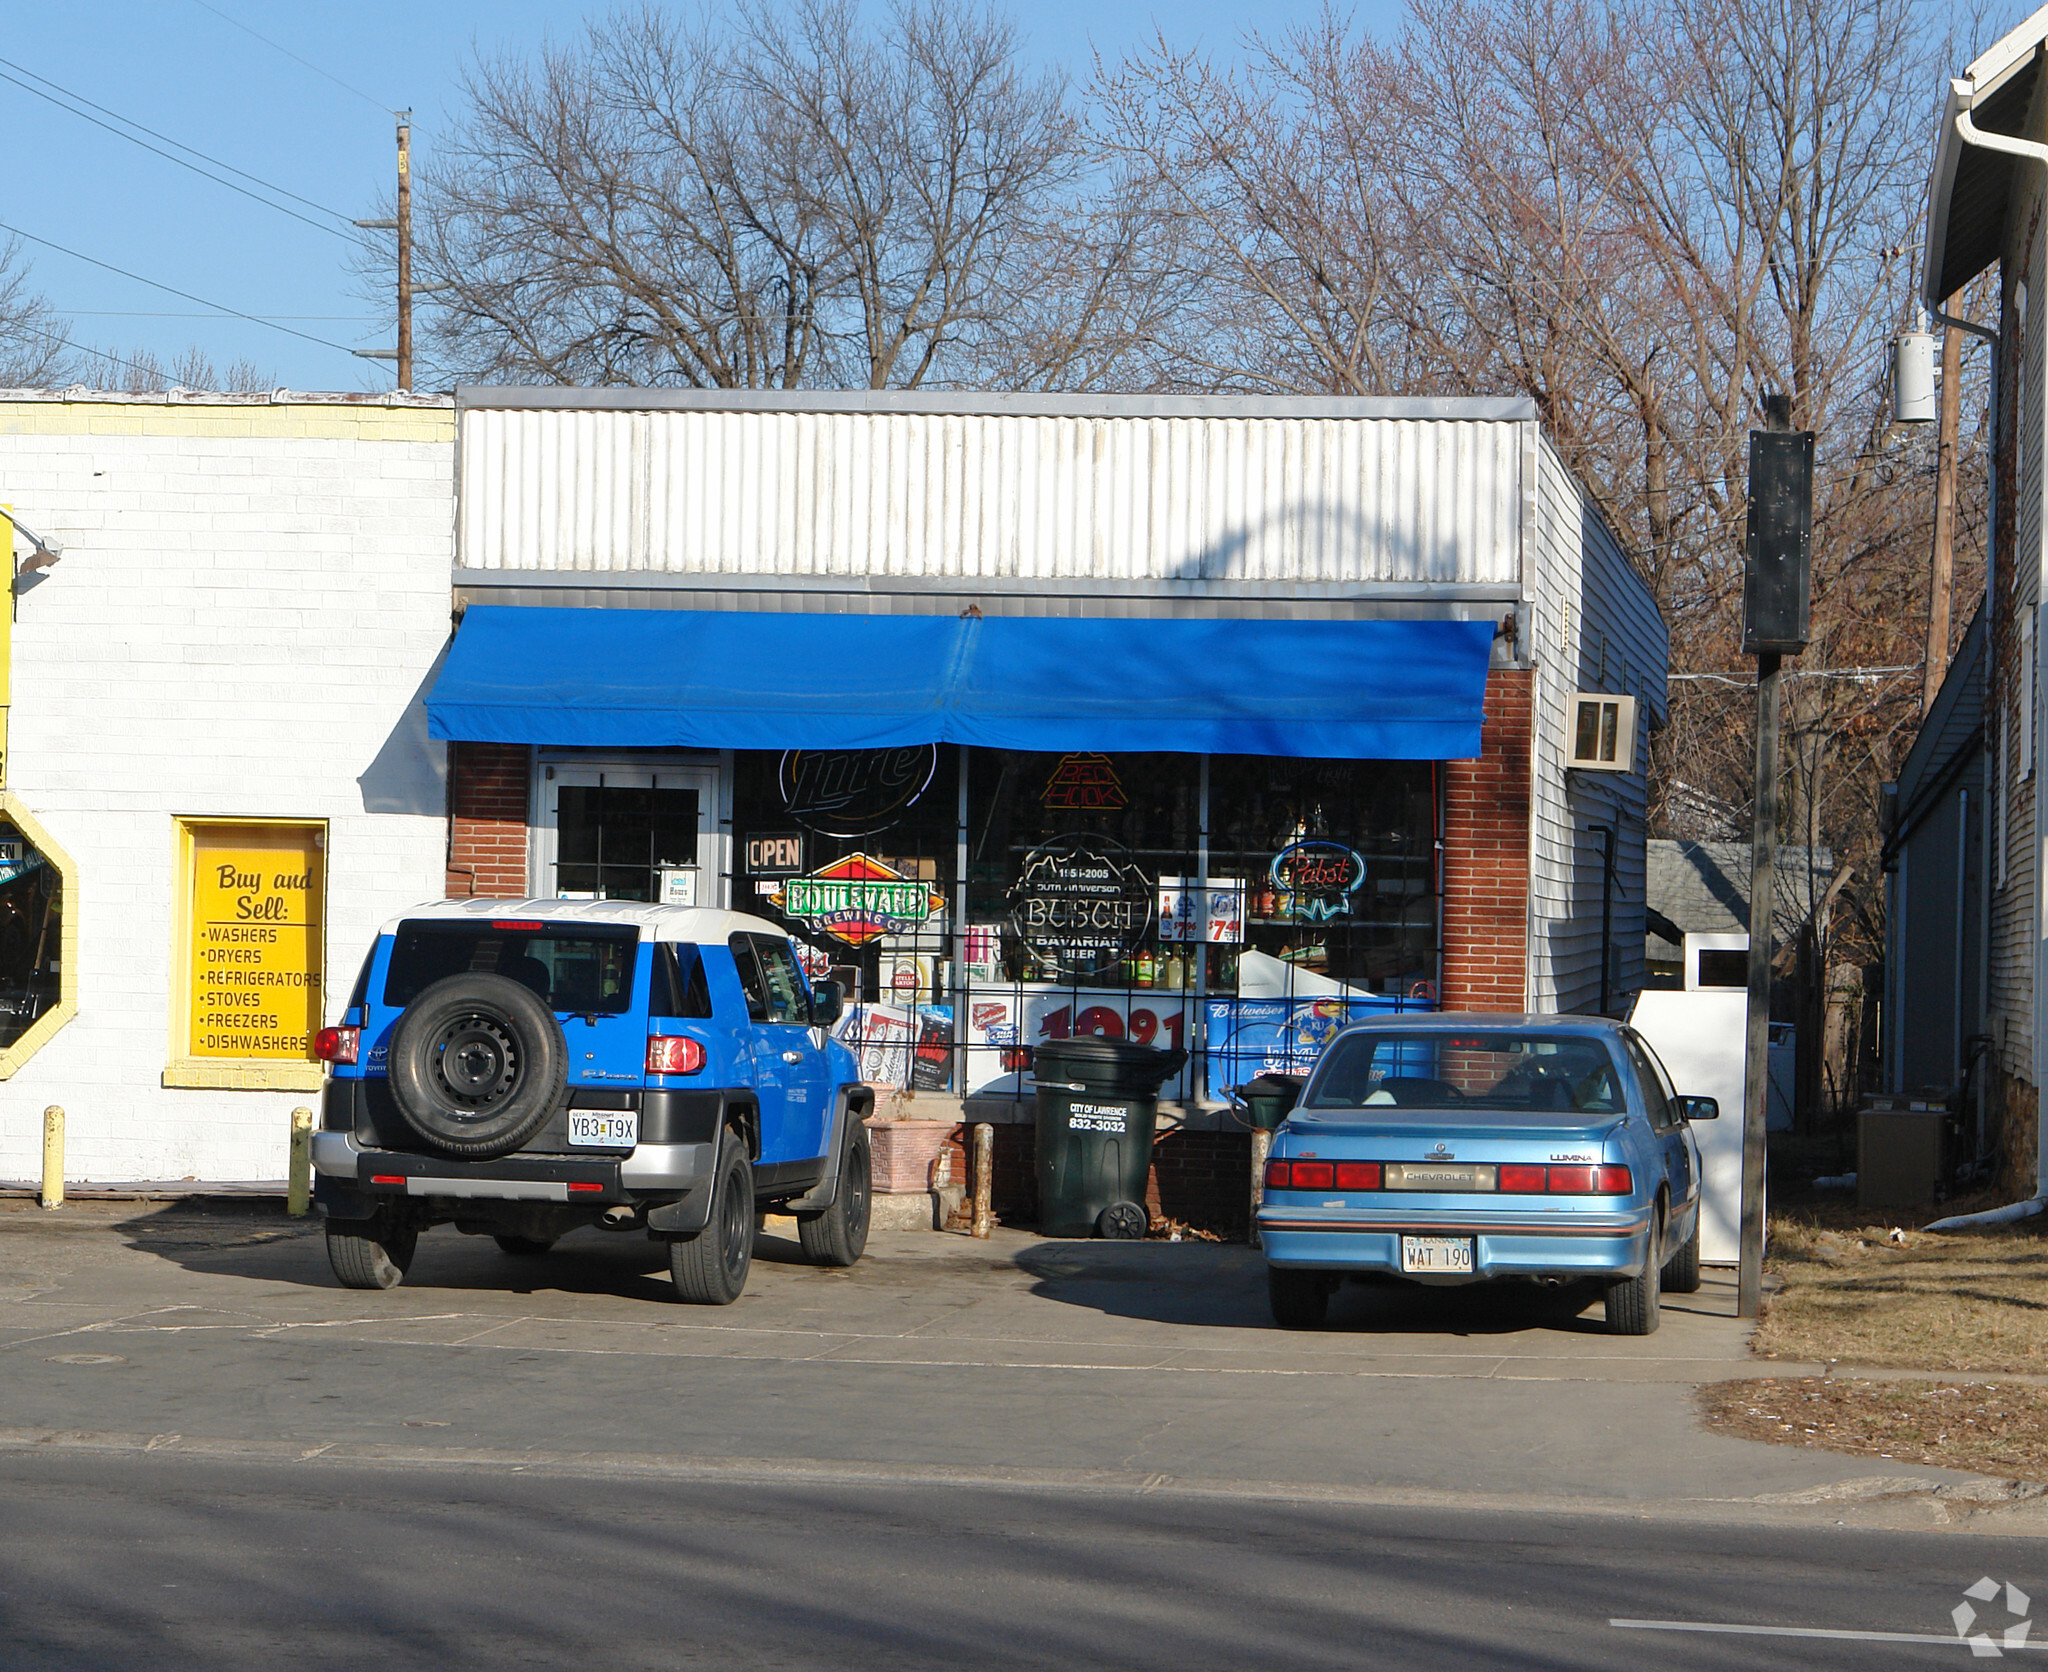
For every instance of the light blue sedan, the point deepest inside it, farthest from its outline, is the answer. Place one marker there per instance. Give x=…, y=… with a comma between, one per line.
x=1465, y=1148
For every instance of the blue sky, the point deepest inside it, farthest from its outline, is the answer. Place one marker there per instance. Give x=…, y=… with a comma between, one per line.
x=320, y=129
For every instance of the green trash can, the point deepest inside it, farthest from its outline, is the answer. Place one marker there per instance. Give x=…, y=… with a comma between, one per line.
x=1097, y=1101
x=1270, y=1098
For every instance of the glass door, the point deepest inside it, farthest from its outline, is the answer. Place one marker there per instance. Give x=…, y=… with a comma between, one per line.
x=632, y=833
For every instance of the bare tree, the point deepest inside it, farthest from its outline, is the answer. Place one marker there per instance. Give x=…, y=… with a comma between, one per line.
x=777, y=198
x=33, y=350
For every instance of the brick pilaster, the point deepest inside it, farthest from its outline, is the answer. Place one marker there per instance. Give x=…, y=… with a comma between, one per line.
x=487, y=800
x=1486, y=855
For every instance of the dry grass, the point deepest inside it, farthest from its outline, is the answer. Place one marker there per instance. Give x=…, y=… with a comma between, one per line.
x=1989, y=1428
x=1929, y=1302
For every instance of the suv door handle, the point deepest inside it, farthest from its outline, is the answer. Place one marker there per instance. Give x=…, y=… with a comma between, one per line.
x=792, y=1056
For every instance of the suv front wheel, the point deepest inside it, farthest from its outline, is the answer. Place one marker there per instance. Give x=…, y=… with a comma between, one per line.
x=710, y=1269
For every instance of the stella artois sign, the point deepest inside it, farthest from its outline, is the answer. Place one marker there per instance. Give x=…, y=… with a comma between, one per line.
x=858, y=899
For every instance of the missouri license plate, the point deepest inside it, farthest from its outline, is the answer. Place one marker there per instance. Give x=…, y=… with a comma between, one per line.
x=604, y=1128
x=1436, y=1254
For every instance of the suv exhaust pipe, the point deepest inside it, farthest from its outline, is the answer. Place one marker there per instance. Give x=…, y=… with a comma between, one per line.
x=620, y=1216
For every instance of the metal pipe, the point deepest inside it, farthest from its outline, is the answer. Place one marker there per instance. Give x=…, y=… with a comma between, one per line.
x=984, y=1183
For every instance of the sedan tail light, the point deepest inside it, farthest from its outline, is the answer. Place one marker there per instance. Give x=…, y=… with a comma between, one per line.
x=1521, y=1179
x=336, y=1044
x=674, y=1055
x=1591, y=1181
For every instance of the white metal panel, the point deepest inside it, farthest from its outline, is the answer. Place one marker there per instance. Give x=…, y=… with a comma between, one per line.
x=1597, y=628
x=1016, y=497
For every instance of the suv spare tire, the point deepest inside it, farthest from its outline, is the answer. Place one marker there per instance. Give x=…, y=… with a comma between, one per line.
x=478, y=1065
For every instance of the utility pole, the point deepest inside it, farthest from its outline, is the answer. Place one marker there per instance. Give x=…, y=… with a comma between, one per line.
x=405, y=249
x=1946, y=429
x=1775, y=612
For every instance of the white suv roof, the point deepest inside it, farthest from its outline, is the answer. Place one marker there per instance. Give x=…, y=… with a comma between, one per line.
x=694, y=924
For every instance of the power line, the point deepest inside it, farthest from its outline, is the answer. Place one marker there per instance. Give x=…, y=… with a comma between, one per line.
x=293, y=56
x=267, y=185
x=158, y=313
x=172, y=290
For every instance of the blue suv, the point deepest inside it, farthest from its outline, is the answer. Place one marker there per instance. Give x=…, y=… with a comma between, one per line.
x=521, y=1068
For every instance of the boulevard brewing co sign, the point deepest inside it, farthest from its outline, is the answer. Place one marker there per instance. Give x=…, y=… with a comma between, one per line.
x=1081, y=905
x=851, y=793
x=858, y=899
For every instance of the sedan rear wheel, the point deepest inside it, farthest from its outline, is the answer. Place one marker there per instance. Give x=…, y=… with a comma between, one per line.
x=1632, y=1304
x=1682, y=1270
x=1300, y=1299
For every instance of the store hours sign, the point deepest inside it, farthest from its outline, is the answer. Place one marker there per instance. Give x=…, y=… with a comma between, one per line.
x=1081, y=904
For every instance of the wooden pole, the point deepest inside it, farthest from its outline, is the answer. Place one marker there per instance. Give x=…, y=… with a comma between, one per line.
x=984, y=1181
x=300, y=1185
x=53, y=1157
x=1262, y=1146
x=1941, y=582
x=405, y=249
x=1756, y=1085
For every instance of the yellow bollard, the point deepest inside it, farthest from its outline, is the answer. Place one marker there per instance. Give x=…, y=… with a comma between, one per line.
x=53, y=1157
x=302, y=1163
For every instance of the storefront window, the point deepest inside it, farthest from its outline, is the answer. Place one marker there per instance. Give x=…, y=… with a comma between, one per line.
x=1085, y=910
x=31, y=934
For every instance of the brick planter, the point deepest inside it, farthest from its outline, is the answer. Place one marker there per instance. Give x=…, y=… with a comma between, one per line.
x=904, y=1151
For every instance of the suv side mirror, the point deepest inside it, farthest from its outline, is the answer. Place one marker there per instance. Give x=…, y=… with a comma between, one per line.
x=1699, y=1108
x=828, y=1004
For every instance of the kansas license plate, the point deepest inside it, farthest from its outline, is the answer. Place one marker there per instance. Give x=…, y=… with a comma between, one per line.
x=604, y=1128
x=1436, y=1254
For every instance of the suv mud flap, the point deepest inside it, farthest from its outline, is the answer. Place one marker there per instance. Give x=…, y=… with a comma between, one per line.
x=855, y=1103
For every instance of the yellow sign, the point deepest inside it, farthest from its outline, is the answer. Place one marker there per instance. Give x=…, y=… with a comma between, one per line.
x=258, y=898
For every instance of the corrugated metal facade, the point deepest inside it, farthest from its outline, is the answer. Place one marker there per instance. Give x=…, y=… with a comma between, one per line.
x=1597, y=629
x=1007, y=497
x=2015, y=905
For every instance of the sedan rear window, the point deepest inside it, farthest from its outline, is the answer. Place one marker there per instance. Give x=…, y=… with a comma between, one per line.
x=1482, y=1069
x=576, y=968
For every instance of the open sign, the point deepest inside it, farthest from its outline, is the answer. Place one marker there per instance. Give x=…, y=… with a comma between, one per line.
x=780, y=855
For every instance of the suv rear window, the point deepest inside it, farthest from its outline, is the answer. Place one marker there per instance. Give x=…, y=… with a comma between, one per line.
x=577, y=968
x=1480, y=1069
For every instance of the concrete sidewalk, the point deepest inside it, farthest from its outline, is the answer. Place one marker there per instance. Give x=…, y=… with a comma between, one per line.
x=1066, y=1360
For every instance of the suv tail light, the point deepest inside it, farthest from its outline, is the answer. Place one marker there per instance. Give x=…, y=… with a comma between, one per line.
x=673, y=1055
x=336, y=1044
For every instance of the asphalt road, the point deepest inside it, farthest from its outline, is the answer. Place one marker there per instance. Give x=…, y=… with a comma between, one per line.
x=177, y=1562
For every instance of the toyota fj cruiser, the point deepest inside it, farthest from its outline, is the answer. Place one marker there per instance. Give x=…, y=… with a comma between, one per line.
x=520, y=1068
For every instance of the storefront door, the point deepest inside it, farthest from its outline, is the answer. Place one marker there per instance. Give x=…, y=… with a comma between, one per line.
x=631, y=833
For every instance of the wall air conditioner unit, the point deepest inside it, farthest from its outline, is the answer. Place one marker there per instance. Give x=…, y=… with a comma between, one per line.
x=1602, y=737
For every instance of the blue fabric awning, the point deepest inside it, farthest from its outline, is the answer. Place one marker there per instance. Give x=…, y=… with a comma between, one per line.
x=704, y=679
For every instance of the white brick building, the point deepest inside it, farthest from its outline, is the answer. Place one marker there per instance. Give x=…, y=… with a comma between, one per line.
x=251, y=598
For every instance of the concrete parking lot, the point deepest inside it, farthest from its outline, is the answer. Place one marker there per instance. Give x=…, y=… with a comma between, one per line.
x=1017, y=1359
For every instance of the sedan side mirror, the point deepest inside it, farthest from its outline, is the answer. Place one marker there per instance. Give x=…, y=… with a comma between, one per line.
x=1699, y=1108
x=828, y=1004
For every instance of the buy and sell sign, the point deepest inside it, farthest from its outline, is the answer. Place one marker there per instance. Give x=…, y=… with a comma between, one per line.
x=258, y=894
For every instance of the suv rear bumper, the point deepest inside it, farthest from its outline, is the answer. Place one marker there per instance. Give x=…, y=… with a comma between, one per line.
x=652, y=1169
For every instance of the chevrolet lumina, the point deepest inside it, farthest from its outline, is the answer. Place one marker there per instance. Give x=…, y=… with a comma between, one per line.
x=523, y=1068
x=1466, y=1148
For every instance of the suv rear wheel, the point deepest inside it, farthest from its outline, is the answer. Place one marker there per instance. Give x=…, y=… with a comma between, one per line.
x=710, y=1269
x=370, y=1253
x=839, y=1235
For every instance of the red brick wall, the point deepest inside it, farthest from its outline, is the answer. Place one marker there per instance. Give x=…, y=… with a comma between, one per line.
x=1486, y=855
x=487, y=800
